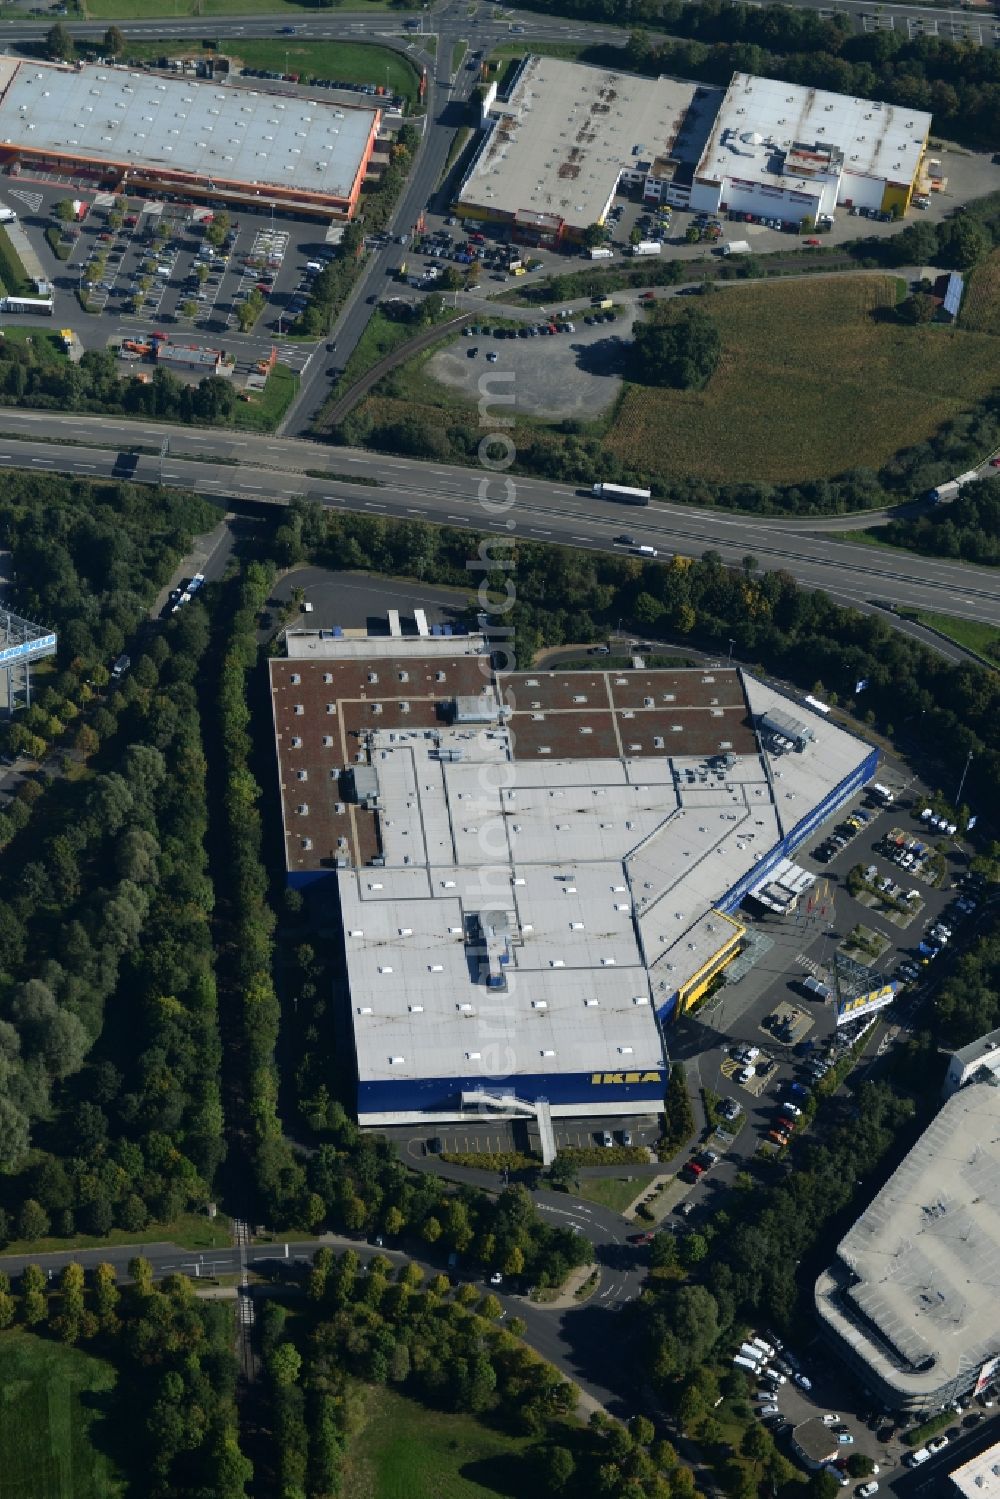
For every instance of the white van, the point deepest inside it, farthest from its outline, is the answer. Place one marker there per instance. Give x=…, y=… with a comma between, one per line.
x=746, y=1363
x=765, y=1348
x=314, y=265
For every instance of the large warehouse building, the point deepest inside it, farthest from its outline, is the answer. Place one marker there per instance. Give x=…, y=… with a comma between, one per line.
x=535, y=871
x=910, y=1301
x=566, y=137
x=795, y=152
x=156, y=134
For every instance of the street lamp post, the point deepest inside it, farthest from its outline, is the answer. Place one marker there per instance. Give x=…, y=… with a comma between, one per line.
x=731, y=644
x=961, y=784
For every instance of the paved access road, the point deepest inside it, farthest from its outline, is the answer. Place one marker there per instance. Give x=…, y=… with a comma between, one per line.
x=270, y=469
x=950, y=23
x=582, y=1342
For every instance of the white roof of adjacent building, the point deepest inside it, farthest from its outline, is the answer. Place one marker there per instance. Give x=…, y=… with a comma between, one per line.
x=762, y=119
x=203, y=128
x=923, y=1263
x=565, y=135
x=605, y=864
x=979, y=1478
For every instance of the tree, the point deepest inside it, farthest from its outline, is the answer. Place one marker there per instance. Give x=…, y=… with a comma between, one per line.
x=823, y=1486
x=564, y=1172
x=594, y=235
x=33, y=1300
x=64, y=210
x=285, y=1364
x=114, y=42
x=642, y=1430
x=32, y=1220
x=559, y=1468
x=59, y=43
x=920, y=308
x=859, y=1465
x=683, y=353
x=963, y=241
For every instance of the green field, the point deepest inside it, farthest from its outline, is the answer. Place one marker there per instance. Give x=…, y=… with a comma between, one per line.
x=263, y=413
x=53, y=1401
x=610, y=1191
x=816, y=377
x=406, y=1451
x=192, y=1230
x=983, y=639
x=980, y=310
x=350, y=62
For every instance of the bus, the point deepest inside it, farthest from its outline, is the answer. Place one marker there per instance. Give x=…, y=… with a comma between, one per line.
x=622, y=493
x=27, y=304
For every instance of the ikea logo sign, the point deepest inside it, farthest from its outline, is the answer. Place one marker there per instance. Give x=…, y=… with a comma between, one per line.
x=605, y=1079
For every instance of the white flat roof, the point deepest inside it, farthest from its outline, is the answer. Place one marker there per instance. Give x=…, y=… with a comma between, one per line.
x=605, y=870
x=567, y=132
x=979, y=1478
x=206, y=129
x=924, y=1260
x=761, y=119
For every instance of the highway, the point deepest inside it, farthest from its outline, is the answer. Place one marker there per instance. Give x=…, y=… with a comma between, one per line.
x=268, y=469
x=483, y=27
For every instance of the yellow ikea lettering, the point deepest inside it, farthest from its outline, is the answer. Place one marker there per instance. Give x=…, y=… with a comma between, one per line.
x=612, y=1078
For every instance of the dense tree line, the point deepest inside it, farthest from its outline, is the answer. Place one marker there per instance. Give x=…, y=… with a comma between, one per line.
x=966, y=527
x=565, y=595
x=445, y=1347
x=331, y=287
x=252, y=917
x=94, y=384
x=958, y=83
x=110, y=1060
x=174, y=1414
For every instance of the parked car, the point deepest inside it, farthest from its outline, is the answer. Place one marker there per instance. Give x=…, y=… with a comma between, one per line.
x=802, y=1381
x=845, y=1439
x=769, y=1410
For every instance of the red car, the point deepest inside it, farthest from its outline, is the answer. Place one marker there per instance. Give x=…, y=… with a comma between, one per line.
x=646, y=1238
x=786, y=1126
x=812, y=241
x=995, y=463
x=648, y=296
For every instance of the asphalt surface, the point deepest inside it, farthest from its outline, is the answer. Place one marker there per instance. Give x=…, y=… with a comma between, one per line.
x=866, y=16
x=581, y=1342
x=269, y=470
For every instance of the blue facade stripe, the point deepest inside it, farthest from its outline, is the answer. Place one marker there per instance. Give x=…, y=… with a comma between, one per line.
x=388, y=1096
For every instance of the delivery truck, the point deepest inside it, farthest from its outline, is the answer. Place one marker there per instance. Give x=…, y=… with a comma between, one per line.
x=622, y=493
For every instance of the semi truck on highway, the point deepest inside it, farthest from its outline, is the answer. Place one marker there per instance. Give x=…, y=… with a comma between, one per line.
x=948, y=491
x=622, y=493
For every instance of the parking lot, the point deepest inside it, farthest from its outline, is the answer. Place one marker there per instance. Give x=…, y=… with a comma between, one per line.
x=145, y=265
x=191, y=268
x=563, y=366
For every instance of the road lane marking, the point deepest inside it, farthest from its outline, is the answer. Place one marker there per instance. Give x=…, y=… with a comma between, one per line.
x=535, y=531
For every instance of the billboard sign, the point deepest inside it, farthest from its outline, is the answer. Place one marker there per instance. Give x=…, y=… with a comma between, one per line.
x=866, y=1004
x=986, y=1374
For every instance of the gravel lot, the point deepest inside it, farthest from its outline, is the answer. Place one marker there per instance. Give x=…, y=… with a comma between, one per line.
x=562, y=375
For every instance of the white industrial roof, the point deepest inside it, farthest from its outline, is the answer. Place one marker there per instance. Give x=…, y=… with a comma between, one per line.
x=562, y=140
x=206, y=129
x=606, y=869
x=979, y=1478
x=762, y=118
x=924, y=1260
